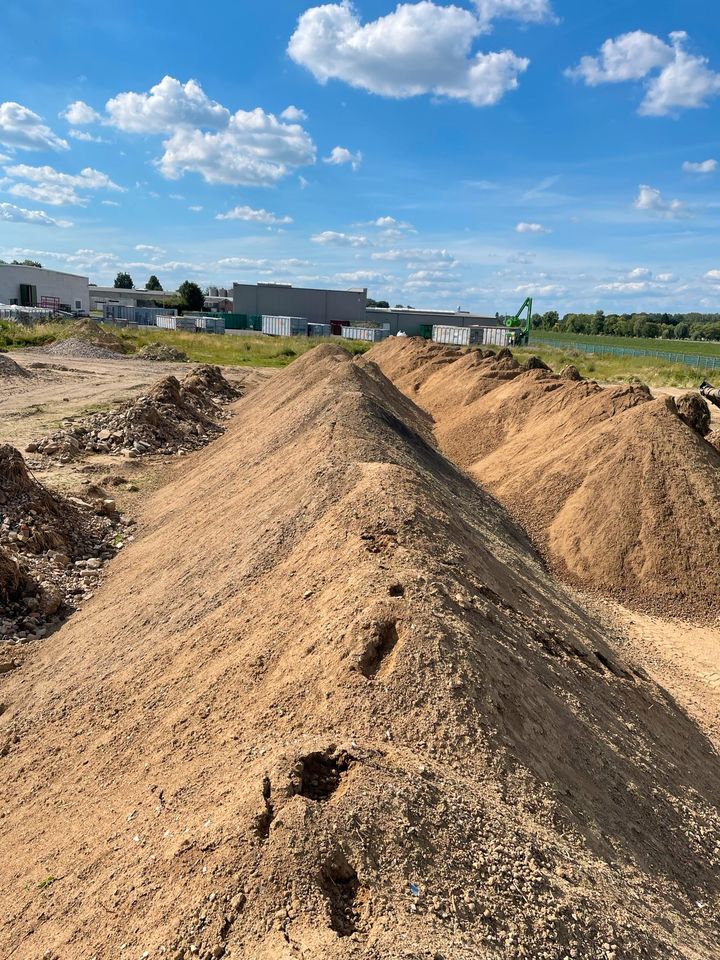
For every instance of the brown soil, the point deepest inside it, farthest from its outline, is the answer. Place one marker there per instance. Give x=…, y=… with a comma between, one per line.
x=330, y=704
x=617, y=490
x=9, y=370
x=91, y=331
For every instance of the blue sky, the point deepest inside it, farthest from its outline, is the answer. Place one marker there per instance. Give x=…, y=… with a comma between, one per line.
x=439, y=154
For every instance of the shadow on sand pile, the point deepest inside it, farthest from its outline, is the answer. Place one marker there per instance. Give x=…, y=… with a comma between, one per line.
x=343, y=712
x=619, y=491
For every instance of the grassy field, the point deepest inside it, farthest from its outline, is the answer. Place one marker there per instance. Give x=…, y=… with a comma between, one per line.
x=692, y=347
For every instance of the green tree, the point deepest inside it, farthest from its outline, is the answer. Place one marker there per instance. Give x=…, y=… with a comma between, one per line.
x=191, y=296
x=153, y=283
x=123, y=281
x=682, y=331
x=27, y=263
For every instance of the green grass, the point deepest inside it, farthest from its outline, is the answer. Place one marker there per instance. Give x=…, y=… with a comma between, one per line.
x=610, y=368
x=693, y=347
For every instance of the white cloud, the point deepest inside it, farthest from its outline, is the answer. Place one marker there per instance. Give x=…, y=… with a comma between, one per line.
x=544, y=290
x=704, y=166
x=169, y=104
x=48, y=185
x=530, y=11
x=332, y=237
x=389, y=223
x=362, y=276
x=85, y=136
x=640, y=273
x=196, y=208
x=531, y=228
x=255, y=149
x=419, y=48
x=79, y=113
x=682, y=81
x=22, y=129
x=149, y=248
x=109, y=203
x=665, y=278
x=712, y=275
x=650, y=200
x=294, y=114
x=418, y=259
x=341, y=155
x=253, y=216
x=248, y=263
x=623, y=286
x=8, y=211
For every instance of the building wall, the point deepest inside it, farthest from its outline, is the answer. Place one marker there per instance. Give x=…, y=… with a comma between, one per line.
x=69, y=288
x=317, y=306
x=410, y=321
x=128, y=298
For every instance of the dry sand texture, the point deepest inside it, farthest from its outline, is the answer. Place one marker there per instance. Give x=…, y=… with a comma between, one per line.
x=330, y=704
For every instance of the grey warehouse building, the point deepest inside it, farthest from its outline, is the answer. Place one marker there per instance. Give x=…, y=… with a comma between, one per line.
x=317, y=306
x=412, y=322
x=38, y=287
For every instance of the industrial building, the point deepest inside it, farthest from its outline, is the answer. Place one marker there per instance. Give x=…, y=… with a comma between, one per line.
x=38, y=287
x=335, y=307
x=99, y=296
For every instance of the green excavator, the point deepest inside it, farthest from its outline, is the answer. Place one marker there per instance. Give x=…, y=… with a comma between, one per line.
x=519, y=325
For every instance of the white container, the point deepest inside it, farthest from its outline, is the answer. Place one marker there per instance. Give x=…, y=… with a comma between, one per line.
x=456, y=336
x=373, y=334
x=498, y=336
x=166, y=323
x=284, y=326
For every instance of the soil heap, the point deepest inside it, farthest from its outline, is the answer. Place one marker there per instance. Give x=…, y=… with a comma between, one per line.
x=9, y=370
x=618, y=490
x=162, y=352
x=52, y=549
x=173, y=417
x=330, y=705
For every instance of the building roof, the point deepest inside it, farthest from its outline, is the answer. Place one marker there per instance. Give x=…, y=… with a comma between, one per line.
x=29, y=266
x=449, y=314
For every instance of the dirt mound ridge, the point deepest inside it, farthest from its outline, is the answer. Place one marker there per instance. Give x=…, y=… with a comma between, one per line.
x=173, y=417
x=75, y=348
x=91, y=331
x=162, y=352
x=9, y=370
x=621, y=493
x=343, y=712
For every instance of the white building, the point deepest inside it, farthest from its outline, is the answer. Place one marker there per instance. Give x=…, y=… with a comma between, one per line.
x=38, y=287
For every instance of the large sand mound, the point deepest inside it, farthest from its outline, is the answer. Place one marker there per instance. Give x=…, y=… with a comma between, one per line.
x=621, y=493
x=329, y=705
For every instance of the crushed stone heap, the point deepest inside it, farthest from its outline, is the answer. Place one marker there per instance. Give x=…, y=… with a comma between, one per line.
x=342, y=711
x=620, y=492
x=174, y=416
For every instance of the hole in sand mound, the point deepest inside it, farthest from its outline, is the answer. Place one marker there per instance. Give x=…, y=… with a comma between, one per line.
x=396, y=590
x=373, y=661
x=340, y=885
x=322, y=773
x=264, y=819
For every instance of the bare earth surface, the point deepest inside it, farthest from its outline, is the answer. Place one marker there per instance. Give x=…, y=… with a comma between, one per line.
x=330, y=704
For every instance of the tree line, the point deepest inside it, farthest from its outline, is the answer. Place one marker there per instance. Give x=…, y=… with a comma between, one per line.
x=664, y=326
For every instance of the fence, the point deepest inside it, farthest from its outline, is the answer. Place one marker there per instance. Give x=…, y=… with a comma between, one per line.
x=689, y=359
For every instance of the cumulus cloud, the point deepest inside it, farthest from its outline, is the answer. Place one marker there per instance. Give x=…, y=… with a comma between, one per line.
x=332, y=237
x=254, y=149
x=682, y=80
x=341, y=155
x=79, y=114
x=169, y=104
x=85, y=136
x=665, y=278
x=294, y=114
x=149, y=248
x=651, y=200
x=419, y=48
x=543, y=290
x=8, y=211
x=624, y=286
x=640, y=273
x=704, y=166
x=22, y=129
x=529, y=11
x=48, y=185
x=531, y=228
x=253, y=216
x=712, y=275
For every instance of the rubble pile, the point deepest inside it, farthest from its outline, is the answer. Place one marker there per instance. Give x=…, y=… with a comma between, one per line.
x=162, y=352
x=174, y=417
x=52, y=549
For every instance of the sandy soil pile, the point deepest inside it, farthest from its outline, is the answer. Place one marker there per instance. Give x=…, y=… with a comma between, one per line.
x=343, y=712
x=91, y=331
x=173, y=417
x=162, y=352
x=75, y=348
x=9, y=370
x=622, y=495
x=52, y=549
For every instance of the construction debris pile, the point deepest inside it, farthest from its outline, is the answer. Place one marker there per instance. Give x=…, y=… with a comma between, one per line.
x=162, y=352
x=52, y=549
x=347, y=713
x=174, y=417
x=619, y=490
x=10, y=370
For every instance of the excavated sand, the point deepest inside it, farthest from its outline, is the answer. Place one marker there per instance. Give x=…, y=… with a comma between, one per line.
x=330, y=705
x=621, y=494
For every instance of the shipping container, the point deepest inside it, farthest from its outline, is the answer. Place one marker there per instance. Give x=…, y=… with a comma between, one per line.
x=319, y=330
x=373, y=334
x=210, y=324
x=425, y=330
x=457, y=336
x=285, y=326
x=166, y=322
x=498, y=336
x=254, y=322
